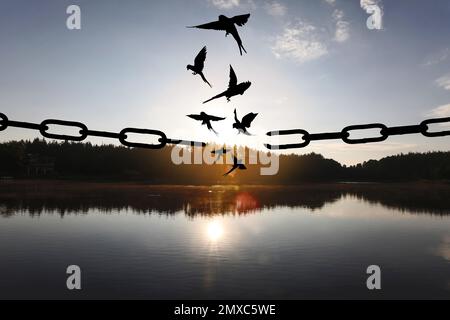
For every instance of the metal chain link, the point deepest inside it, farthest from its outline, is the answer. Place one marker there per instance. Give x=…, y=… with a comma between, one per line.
x=307, y=138
x=84, y=132
x=344, y=135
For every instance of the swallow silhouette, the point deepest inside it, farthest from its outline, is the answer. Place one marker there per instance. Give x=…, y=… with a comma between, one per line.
x=246, y=122
x=229, y=26
x=206, y=119
x=199, y=65
x=234, y=88
x=237, y=164
x=220, y=153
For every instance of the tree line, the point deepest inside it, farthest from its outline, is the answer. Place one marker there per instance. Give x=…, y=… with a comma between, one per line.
x=19, y=159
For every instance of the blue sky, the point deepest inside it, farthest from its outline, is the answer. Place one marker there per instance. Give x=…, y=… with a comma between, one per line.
x=313, y=64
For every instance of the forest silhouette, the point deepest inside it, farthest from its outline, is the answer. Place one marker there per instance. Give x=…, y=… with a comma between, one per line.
x=85, y=161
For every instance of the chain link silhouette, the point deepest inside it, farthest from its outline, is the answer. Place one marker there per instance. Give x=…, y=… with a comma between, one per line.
x=344, y=135
x=84, y=132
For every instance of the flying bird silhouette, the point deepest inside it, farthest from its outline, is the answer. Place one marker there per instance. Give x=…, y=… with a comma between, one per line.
x=237, y=164
x=199, y=65
x=220, y=153
x=246, y=122
x=206, y=119
x=229, y=26
x=233, y=88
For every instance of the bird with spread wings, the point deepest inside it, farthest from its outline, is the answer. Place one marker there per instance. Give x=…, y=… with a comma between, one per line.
x=245, y=124
x=199, y=65
x=229, y=26
x=234, y=88
x=206, y=120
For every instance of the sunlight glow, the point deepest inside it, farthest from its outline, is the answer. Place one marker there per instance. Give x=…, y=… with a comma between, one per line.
x=215, y=231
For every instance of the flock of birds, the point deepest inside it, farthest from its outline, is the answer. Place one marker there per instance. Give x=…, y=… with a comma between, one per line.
x=234, y=88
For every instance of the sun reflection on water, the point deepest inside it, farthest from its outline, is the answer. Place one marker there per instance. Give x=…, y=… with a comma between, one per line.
x=214, y=231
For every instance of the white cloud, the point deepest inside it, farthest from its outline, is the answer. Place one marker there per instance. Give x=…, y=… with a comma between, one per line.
x=441, y=112
x=225, y=4
x=331, y=2
x=338, y=14
x=366, y=4
x=275, y=9
x=301, y=42
x=230, y=4
x=444, y=82
x=342, y=33
x=437, y=58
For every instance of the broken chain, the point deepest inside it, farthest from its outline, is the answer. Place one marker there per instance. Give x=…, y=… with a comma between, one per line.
x=344, y=135
x=84, y=132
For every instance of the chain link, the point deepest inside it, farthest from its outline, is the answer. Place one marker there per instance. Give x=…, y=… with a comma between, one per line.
x=305, y=137
x=162, y=138
x=426, y=127
x=45, y=127
x=344, y=135
x=3, y=122
x=84, y=132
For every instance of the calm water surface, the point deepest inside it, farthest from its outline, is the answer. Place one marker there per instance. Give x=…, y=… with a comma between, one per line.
x=224, y=242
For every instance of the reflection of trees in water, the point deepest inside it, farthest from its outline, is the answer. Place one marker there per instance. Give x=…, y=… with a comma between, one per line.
x=431, y=199
x=77, y=198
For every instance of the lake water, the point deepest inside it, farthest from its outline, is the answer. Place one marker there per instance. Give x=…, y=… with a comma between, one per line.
x=135, y=241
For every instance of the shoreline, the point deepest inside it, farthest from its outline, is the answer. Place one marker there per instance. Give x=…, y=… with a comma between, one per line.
x=312, y=185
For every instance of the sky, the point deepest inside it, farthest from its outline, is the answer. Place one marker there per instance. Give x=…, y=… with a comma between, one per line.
x=313, y=65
